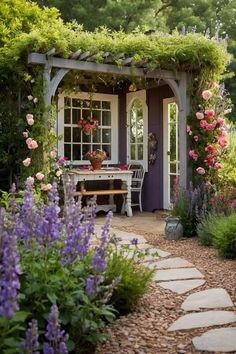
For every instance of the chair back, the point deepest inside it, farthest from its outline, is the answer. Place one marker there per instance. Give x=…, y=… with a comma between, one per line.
x=138, y=175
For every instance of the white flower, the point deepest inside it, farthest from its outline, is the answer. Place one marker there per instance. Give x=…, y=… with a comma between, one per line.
x=58, y=173
x=30, y=98
x=35, y=100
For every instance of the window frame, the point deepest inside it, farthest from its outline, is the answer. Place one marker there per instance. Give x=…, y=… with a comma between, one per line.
x=114, y=122
x=131, y=97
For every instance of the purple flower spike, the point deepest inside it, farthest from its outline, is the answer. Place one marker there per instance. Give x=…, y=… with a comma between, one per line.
x=134, y=241
x=55, y=336
x=9, y=271
x=31, y=343
x=92, y=284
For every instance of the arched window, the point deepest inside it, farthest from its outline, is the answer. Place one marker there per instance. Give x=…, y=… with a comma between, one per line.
x=137, y=130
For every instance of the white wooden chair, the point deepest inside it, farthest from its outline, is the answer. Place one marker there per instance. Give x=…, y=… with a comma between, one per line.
x=137, y=183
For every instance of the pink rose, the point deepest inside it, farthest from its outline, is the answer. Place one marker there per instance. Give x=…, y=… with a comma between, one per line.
x=206, y=95
x=209, y=113
x=32, y=144
x=203, y=123
x=200, y=171
x=27, y=162
x=212, y=150
x=188, y=128
x=196, y=138
x=46, y=187
x=218, y=165
x=199, y=115
x=223, y=142
x=193, y=155
x=25, y=134
x=222, y=133
x=209, y=160
x=30, y=119
x=220, y=121
x=40, y=176
x=28, y=141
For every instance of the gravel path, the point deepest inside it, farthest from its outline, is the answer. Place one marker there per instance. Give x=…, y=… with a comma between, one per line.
x=145, y=330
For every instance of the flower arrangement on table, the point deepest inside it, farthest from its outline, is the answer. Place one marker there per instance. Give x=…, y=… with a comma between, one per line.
x=88, y=125
x=96, y=158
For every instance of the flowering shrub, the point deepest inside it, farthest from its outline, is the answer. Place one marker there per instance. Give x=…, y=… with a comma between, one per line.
x=49, y=259
x=208, y=133
x=88, y=125
x=98, y=155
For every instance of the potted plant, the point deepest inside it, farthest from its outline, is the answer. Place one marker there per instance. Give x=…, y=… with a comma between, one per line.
x=96, y=158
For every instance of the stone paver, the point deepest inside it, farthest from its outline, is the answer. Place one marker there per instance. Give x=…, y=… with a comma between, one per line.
x=170, y=263
x=217, y=340
x=203, y=319
x=182, y=286
x=210, y=299
x=152, y=254
x=178, y=273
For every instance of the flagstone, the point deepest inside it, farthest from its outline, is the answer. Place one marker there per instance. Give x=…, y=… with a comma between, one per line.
x=169, y=263
x=217, y=340
x=203, y=319
x=210, y=298
x=182, y=286
x=178, y=273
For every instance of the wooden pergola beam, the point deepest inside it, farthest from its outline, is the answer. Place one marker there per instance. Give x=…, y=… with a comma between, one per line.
x=71, y=64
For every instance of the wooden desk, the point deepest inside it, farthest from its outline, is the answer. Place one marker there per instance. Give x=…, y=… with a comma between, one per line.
x=79, y=175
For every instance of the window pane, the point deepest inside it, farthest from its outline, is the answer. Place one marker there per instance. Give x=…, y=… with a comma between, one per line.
x=67, y=116
x=86, y=138
x=85, y=148
x=173, y=111
x=140, y=151
x=96, y=104
x=97, y=116
x=86, y=114
x=76, y=152
x=86, y=103
x=76, y=102
x=67, y=102
x=96, y=147
x=173, y=168
x=172, y=142
x=75, y=116
x=106, y=135
x=106, y=118
x=132, y=133
x=67, y=151
x=132, y=151
x=97, y=136
x=67, y=134
x=76, y=134
x=106, y=105
x=107, y=149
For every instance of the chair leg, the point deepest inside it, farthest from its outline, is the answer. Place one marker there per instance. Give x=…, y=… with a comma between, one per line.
x=123, y=204
x=140, y=202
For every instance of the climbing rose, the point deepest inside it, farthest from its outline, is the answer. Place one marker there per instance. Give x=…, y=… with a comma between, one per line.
x=203, y=123
x=220, y=121
x=46, y=187
x=53, y=154
x=218, y=165
x=193, y=155
x=25, y=134
x=196, y=138
x=206, y=95
x=27, y=162
x=199, y=115
x=35, y=100
x=209, y=113
x=222, y=142
x=30, y=97
x=32, y=144
x=40, y=176
x=30, y=119
x=200, y=171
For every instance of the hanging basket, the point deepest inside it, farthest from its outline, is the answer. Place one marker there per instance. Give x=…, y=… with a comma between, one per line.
x=96, y=164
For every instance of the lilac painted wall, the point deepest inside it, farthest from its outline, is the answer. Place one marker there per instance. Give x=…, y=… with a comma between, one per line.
x=153, y=183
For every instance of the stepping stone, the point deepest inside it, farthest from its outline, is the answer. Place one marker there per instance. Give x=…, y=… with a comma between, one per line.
x=182, y=286
x=203, y=319
x=128, y=236
x=178, y=273
x=207, y=299
x=217, y=340
x=171, y=263
x=152, y=251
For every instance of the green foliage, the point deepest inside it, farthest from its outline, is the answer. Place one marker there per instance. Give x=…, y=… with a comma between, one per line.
x=206, y=229
x=225, y=236
x=134, y=279
x=227, y=174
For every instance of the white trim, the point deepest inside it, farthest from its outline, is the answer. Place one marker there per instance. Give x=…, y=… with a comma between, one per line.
x=131, y=97
x=114, y=126
x=166, y=145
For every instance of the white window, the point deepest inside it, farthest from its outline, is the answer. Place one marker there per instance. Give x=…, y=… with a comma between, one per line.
x=137, y=128
x=75, y=142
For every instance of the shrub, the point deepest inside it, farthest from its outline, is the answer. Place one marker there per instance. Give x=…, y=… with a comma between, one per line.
x=206, y=229
x=225, y=236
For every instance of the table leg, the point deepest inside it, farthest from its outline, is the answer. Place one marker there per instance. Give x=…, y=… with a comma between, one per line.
x=128, y=199
x=111, y=196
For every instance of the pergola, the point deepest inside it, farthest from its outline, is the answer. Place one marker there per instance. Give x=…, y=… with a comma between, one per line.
x=86, y=62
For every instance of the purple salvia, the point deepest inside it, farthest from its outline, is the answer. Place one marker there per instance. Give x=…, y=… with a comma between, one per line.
x=92, y=284
x=99, y=259
x=31, y=343
x=56, y=338
x=9, y=271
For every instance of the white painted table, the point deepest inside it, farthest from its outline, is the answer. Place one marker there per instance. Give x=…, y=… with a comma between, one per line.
x=109, y=174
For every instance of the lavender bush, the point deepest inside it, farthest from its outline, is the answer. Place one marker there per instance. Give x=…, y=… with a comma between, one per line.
x=48, y=258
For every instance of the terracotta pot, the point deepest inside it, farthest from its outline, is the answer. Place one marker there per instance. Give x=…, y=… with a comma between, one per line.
x=96, y=164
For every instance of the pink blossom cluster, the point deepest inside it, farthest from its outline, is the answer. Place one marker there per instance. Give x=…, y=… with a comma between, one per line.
x=31, y=143
x=88, y=125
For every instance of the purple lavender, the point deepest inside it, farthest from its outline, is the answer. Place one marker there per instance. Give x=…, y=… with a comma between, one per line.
x=56, y=338
x=92, y=284
x=9, y=270
x=31, y=343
